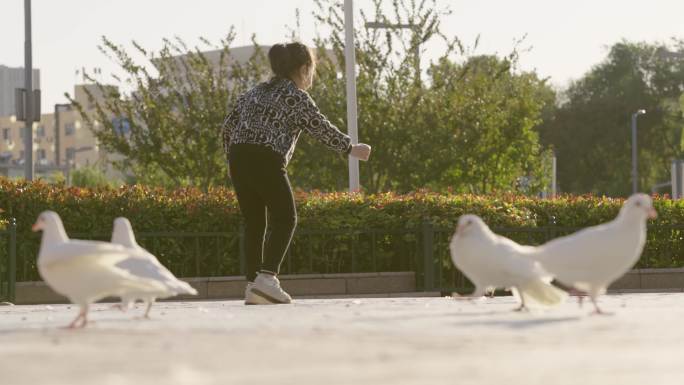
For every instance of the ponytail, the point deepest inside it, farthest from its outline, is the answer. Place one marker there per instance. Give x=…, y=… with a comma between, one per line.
x=286, y=59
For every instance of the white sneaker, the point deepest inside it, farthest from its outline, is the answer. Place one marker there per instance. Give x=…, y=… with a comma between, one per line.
x=252, y=298
x=268, y=287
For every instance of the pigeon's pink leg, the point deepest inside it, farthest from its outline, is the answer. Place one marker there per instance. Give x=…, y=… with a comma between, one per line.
x=522, y=303
x=85, y=317
x=598, y=311
x=82, y=317
x=73, y=323
x=147, y=312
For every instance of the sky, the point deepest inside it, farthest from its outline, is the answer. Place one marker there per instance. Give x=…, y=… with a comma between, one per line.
x=566, y=37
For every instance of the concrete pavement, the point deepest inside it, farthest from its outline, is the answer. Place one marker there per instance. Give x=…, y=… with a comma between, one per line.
x=350, y=341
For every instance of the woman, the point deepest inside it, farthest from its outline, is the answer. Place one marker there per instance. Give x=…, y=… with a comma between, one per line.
x=259, y=136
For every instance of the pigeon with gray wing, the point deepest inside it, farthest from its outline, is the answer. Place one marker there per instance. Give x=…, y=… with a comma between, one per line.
x=142, y=263
x=593, y=258
x=84, y=271
x=491, y=261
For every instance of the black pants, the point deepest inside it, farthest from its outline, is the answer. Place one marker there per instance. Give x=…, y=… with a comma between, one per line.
x=263, y=191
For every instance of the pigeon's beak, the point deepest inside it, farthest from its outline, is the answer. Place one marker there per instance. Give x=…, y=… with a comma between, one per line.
x=459, y=229
x=35, y=227
x=652, y=213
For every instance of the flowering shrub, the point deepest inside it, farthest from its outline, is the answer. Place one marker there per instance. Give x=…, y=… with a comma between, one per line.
x=89, y=213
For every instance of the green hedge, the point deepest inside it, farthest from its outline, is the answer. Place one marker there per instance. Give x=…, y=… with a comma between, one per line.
x=333, y=233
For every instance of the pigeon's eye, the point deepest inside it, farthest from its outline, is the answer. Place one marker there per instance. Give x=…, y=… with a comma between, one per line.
x=638, y=204
x=469, y=222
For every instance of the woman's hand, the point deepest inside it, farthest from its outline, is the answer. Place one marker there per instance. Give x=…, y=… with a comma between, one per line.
x=361, y=151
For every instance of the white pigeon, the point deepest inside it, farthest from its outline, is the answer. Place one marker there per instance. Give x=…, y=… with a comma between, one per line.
x=491, y=261
x=143, y=264
x=593, y=258
x=83, y=271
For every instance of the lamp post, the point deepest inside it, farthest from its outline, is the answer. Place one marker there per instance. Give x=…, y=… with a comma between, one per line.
x=635, y=172
x=28, y=86
x=413, y=27
x=554, y=168
x=350, y=68
x=67, y=106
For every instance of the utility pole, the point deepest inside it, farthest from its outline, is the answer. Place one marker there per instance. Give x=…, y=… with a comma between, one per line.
x=554, y=186
x=350, y=67
x=635, y=171
x=28, y=87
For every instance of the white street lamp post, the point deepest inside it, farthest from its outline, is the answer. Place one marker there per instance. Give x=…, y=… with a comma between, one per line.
x=350, y=67
x=28, y=86
x=635, y=172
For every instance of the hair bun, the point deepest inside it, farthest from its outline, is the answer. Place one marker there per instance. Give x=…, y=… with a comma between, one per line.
x=287, y=58
x=280, y=49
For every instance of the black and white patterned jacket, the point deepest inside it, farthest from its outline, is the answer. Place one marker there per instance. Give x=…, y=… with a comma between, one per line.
x=274, y=114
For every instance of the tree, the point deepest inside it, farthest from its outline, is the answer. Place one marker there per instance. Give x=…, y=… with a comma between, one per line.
x=387, y=93
x=170, y=125
x=590, y=131
x=484, y=114
x=465, y=124
x=90, y=176
x=414, y=124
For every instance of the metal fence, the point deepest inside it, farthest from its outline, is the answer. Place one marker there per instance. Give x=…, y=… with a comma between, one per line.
x=439, y=273
x=184, y=253
x=664, y=248
x=423, y=250
x=8, y=260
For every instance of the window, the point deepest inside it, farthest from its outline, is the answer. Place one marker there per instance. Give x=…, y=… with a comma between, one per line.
x=41, y=158
x=121, y=125
x=69, y=153
x=69, y=129
x=6, y=133
x=40, y=132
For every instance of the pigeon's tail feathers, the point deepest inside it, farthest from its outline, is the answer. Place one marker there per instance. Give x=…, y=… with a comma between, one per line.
x=181, y=287
x=543, y=293
x=141, y=286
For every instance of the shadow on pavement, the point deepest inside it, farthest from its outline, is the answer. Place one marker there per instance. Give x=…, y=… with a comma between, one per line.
x=519, y=323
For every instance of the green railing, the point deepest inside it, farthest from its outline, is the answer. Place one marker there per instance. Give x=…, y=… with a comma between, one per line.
x=8, y=261
x=423, y=250
x=439, y=273
x=222, y=253
x=186, y=254
x=664, y=248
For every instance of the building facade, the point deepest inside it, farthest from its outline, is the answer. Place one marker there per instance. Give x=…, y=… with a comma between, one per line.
x=77, y=144
x=73, y=144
